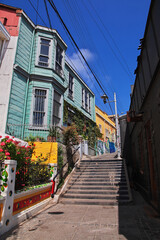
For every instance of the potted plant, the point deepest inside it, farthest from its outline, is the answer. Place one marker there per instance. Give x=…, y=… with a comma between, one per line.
x=53, y=134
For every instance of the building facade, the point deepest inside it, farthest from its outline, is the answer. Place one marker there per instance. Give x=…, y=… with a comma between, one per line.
x=38, y=77
x=108, y=129
x=144, y=114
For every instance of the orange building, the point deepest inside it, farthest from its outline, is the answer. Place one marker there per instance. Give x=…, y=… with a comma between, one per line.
x=106, y=125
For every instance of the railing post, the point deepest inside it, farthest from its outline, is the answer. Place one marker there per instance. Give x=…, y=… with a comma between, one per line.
x=9, y=196
x=104, y=150
x=86, y=147
x=54, y=172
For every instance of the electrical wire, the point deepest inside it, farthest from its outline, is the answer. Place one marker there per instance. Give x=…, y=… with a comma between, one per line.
x=48, y=14
x=59, y=16
x=114, y=53
x=77, y=23
x=114, y=42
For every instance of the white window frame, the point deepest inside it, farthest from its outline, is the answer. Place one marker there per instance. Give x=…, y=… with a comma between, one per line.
x=83, y=97
x=63, y=58
x=89, y=103
x=100, y=128
x=45, y=108
x=71, y=95
x=107, y=132
x=61, y=101
x=49, y=54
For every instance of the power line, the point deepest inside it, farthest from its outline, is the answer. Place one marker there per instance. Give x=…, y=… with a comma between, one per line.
x=109, y=33
x=48, y=14
x=55, y=9
x=79, y=24
x=126, y=70
x=37, y=13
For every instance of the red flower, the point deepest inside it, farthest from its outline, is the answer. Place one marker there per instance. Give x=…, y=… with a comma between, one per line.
x=2, y=144
x=27, y=158
x=28, y=146
x=18, y=153
x=7, y=153
x=13, y=137
x=8, y=158
x=7, y=137
x=1, y=150
x=0, y=136
x=9, y=140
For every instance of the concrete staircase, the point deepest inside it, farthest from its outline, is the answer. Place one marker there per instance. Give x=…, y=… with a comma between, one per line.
x=98, y=182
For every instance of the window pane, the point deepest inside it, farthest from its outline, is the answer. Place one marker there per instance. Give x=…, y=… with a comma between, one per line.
x=43, y=59
x=45, y=41
x=44, y=50
x=59, y=56
x=57, y=96
x=39, y=107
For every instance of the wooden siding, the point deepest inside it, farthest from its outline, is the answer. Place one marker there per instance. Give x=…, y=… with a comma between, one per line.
x=33, y=85
x=44, y=71
x=77, y=95
x=24, y=46
x=17, y=99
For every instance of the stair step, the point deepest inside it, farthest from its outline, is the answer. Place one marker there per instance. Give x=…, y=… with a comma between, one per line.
x=106, y=176
x=121, y=188
x=94, y=180
x=88, y=196
x=96, y=184
x=103, y=192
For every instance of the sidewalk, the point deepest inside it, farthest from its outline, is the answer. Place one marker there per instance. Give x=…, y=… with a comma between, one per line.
x=78, y=222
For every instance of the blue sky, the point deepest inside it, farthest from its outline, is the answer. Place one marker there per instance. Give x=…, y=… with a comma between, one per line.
x=107, y=32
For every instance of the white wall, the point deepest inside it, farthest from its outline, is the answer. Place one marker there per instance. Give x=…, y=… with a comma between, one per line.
x=6, y=70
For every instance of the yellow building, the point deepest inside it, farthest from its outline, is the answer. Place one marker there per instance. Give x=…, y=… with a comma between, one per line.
x=106, y=125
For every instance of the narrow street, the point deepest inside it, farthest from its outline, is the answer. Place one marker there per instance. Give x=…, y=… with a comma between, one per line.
x=75, y=222
x=72, y=221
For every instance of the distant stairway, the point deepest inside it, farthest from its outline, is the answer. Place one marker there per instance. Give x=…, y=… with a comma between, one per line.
x=98, y=182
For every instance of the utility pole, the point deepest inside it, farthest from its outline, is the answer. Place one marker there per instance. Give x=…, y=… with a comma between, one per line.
x=104, y=97
x=117, y=127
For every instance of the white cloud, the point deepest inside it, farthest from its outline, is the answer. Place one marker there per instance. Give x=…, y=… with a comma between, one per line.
x=77, y=62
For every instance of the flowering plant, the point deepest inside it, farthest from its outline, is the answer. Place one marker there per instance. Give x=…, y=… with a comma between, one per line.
x=10, y=149
x=71, y=136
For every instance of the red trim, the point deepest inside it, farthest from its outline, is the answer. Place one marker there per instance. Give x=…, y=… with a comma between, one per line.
x=28, y=202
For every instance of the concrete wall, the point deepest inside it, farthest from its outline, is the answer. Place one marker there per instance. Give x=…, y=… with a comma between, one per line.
x=144, y=135
x=6, y=70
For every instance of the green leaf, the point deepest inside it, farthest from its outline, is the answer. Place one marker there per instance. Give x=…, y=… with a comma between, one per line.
x=5, y=184
x=2, y=188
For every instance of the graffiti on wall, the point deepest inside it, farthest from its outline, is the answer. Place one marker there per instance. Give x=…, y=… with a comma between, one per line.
x=106, y=146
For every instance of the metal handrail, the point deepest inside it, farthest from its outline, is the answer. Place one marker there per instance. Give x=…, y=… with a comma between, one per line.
x=60, y=170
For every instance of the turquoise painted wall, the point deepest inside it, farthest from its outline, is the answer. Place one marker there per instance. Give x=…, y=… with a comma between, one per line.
x=46, y=71
x=24, y=45
x=77, y=94
x=17, y=99
x=26, y=59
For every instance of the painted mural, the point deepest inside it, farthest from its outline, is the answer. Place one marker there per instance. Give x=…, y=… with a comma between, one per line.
x=105, y=147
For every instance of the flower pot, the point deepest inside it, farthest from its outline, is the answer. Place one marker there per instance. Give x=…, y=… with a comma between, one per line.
x=51, y=139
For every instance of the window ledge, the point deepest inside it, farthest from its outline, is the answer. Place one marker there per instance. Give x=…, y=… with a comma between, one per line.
x=44, y=128
x=71, y=98
x=86, y=110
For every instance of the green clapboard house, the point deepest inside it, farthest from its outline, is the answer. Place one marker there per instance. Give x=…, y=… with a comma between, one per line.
x=39, y=80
